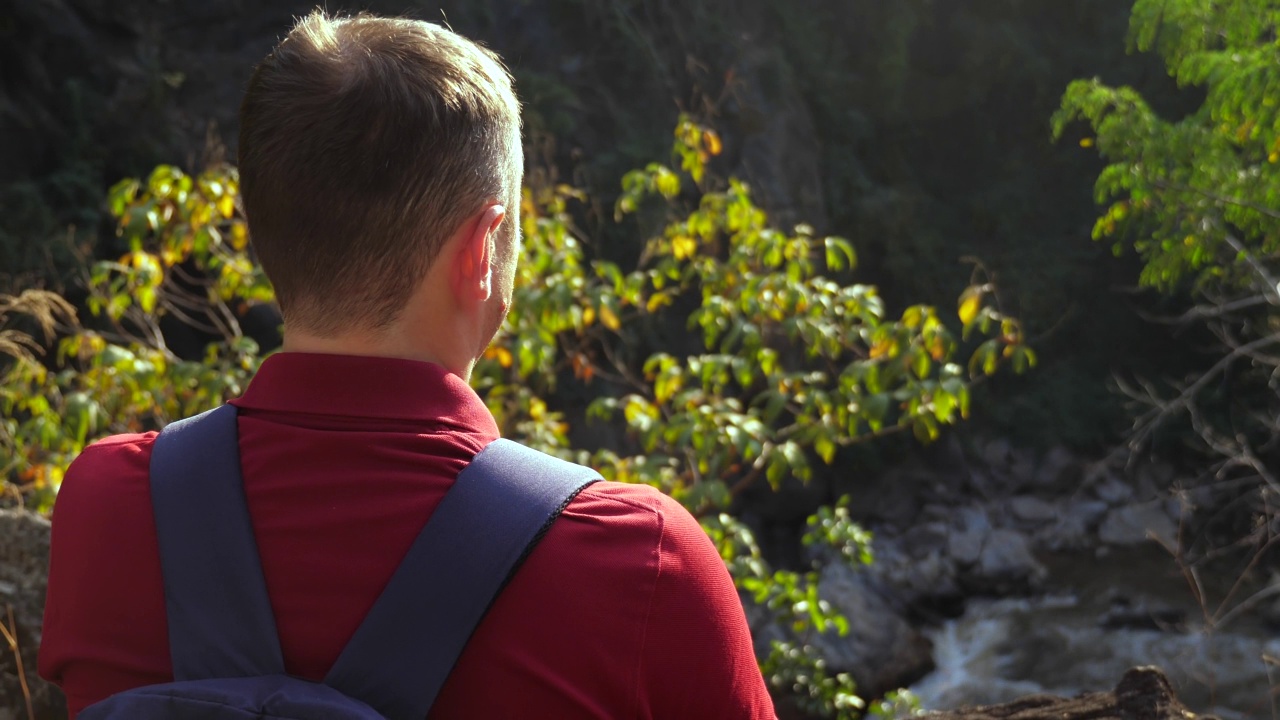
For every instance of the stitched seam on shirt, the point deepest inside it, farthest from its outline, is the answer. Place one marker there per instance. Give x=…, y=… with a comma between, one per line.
x=648, y=614
x=591, y=491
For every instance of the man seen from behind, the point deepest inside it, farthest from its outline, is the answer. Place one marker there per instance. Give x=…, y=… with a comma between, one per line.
x=380, y=164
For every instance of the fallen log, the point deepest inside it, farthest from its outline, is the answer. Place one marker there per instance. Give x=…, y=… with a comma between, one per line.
x=1144, y=693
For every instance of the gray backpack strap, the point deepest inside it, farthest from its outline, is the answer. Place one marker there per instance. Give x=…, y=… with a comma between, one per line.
x=490, y=520
x=220, y=620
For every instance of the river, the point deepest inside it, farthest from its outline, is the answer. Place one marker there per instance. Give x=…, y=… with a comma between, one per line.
x=1056, y=643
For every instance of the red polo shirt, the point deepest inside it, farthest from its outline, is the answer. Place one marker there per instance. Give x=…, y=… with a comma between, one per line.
x=623, y=611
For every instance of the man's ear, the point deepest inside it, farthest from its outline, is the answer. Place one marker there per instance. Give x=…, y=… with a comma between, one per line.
x=472, y=274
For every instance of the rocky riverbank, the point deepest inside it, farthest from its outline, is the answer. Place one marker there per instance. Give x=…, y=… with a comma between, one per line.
x=1081, y=550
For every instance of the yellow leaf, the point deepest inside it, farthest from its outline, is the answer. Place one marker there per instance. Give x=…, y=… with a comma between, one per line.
x=1086, y=143
x=202, y=214
x=666, y=182
x=588, y=316
x=712, y=141
x=970, y=304
x=883, y=348
x=608, y=318
x=239, y=235
x=501, y=354
x=683, y=246
x=657, y=301
x=171, y=256
x=227, y=206
x=937, y=349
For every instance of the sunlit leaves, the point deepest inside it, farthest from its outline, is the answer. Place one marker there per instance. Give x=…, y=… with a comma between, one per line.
x=1196, y=198
x=793, y=364
x=103, y=388
x=1197, y=195
x=970, y=304
x=187, y=257
x=695, y=145
x=832, y=527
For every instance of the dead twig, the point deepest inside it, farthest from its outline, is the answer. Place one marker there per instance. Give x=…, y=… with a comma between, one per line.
x=10, y=634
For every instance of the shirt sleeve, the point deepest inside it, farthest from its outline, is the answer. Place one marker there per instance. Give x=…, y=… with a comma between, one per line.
x=697, y=658
x=104, y=628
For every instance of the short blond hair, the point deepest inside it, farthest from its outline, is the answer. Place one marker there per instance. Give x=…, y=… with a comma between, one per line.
x=365, y=142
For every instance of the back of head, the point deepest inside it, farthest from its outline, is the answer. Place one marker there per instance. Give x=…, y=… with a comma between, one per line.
x=364, y=143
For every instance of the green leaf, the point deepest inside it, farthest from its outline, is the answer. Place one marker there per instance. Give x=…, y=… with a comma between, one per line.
x=913, y=317
x=840, y=254
x=775, y=470
x=825, y=448
x=944, y=405
x=925, y=428
x=921, y=363
x=875, y=408
x=147, y=299
x=666, y=182
x=970, y=304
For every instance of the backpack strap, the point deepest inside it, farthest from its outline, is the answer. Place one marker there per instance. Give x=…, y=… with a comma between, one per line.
x=220, y=620
x=498, y=509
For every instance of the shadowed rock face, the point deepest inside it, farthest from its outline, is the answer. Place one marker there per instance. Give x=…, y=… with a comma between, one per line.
x=1143, y=694
x=24, y=560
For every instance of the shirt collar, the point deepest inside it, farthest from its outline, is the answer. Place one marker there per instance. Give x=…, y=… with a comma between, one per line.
x=369, y=387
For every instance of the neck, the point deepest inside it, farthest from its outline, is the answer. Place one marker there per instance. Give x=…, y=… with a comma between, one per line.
x=433, y=326
x=385, y=344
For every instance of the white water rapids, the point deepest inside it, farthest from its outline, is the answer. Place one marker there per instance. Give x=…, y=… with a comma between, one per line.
x=1003, y=649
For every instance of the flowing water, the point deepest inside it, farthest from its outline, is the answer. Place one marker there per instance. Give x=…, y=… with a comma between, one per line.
x=1003, y=649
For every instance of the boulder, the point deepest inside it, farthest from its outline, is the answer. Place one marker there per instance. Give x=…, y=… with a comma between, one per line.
x=1112, y=490
x=969, y=535
x=882, y=650
x=918, y=568
x=1073, y=529
x=1134, y=524
x=1032, y=509
x=1006, y=566
x=24, y=557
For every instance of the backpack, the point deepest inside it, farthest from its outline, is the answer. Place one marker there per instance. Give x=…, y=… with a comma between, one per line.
x=226, y=656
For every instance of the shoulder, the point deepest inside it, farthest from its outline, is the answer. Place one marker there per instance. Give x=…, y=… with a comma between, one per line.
x=642, y=503
x=681, y=545
x=108, y=483
x=104, y=563
x=696, y=654
x=109, y=464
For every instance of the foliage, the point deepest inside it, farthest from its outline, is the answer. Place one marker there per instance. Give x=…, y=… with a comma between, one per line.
x=188, y=260
x=1197, y=199
x=787, y=364
x=731, y=354
x=929, y=127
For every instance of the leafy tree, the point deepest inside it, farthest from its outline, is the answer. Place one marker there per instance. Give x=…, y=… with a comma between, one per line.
x=1197, y=198
x=732, y=353
x=188, y=260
